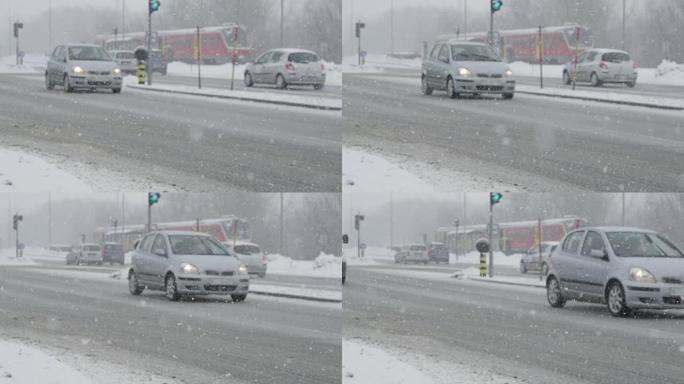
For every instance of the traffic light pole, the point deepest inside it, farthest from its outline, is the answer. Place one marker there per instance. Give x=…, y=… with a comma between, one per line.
x=149, y=47
x=491, y=32
x=491, y=244
x=16, y=241
x=149, y=217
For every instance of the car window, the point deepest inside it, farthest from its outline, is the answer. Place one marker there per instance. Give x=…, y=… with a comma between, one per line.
x=55, y=53
x=469, y=52
x=159, y=243
x=583, y=57
x=418, y=248
x=591, y=56
x=592, y=241
x=196, y=245
x=435, y=51
x=91, y=248
x=640, y=244
x=572, y=243
x=246, y=249
x=264, y=58
x=303, y=58
x=444, y=53
x=146, y=243
x=615, y=57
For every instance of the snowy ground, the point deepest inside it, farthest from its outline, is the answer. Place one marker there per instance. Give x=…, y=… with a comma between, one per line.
x=21, y=172
x=363, y=363
x=323, y=266
x=366, y=171
x=376, y=63
x=8, y=257
x=25, y=364
x=8, y=65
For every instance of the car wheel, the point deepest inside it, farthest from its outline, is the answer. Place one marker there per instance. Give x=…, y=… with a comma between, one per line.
x=280, y=82
x=67, y=84
x=171, y=288
x=451, y=88
x=318, y=87
x=425, y=87
x=595, y=80
x=508, y=96
x=238, y=298
x=48, y=83
x=116, y=90
x=566, y=78
x=545, y=269
x=523, y=267
x=631, y=84
x=133, y=283
x=616, y=300
x=553, y=293
x=249, y=81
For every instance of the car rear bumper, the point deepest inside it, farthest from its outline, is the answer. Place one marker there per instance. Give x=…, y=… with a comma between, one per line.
x=257, y=269
x=484, y=85
x=304, y=79
x=654, y=296
x=608, y=77
x=89, y=82
x=212, y=285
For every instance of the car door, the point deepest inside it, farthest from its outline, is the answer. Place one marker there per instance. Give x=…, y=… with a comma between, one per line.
x=273, y=67
x=592, y=269
x=580, y=68
x=565, y=262
x=260, y=67
x=142, y=259
x=441, y=67
x=428, y=64
x=50, y=70
x=159, y=259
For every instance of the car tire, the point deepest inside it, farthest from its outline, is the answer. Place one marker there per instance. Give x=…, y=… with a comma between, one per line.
x=631, y=84
x=554, y=293
x=133, y=284
x=67, y=84
x=280, y=82
x=238, y=298
x=116, y=90
x=48, y=83
x=567, y=80
x=249, y=81
x=425, y=87
x=595, y=80
x=451, y=88
x=508, y=96
x=545, y=269
x=523, y=267
x=318, y=87
x=171, y=288
x=615, y=299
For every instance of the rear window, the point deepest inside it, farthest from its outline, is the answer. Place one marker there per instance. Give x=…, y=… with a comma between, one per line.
x=112, y=247
x=303, y=58
x=91, y=248
x=246, y=249
x=615, y=57
x=418, y=248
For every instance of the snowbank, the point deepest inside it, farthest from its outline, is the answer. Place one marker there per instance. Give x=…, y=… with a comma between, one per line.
x=376, y=63
x=31, y=65
x=8, y=257
x=363, y=364
x=20, y=172
x=499, y=258
x=323, y=266
x=526, y=280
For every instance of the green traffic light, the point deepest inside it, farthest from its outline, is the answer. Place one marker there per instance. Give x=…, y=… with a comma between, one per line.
x=496, y=5
x=154, y=197
x=155, y=5
x=495, y=197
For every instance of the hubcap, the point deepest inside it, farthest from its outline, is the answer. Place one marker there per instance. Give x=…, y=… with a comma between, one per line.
x=450, y=87
x=424, y=85
x=615, y=299
x=132, y=282
x=553, y=291
x=170, y=287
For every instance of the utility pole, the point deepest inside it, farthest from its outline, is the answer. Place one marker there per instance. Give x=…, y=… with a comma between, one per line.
x=465, y=19
x=282, y=23
x=624, y=24
x=149, y=49
x=123, y=19
x=392, y=24
x=357, y=225
x=49, y=220
x=463, y=225
x=494, y=198
x=50, y=27
x=280, y=242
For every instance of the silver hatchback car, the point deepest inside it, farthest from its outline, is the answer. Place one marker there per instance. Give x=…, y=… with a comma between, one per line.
x=600, y=66
x=625, y=268
x=459, y=67
x=82, y=66
x=186, y=263
x=283, y=67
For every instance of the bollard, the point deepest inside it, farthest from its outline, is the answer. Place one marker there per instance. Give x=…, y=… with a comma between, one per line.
x=141, y=73
x=483, y=265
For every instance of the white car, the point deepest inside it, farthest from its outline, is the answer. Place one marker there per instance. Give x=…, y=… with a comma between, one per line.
x=126, y=61
x=250, y=255
x=412, y=253
x=82, y=67
x=283, y=67
x=601, y=66
x=88, y=253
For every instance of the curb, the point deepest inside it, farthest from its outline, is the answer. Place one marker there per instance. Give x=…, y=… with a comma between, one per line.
x=587, y=98
x=293, y=296
x=505, y=282
x=240, y=98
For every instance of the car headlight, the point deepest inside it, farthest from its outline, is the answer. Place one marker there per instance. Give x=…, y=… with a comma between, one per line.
x=189, y=268
x=116, y=71
x=508, y=73
x=78, y=69
x=243, y=269
x=464, y=72
x=641, y=275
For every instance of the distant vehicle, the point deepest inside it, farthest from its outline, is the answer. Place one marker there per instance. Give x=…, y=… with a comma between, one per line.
x=112, y=253
x=625, y=268
x=61, y=248
x=438, y=253
x=82, y=67
x=72, y=255
x=88, y=253
x=284, y=67
x=460, y=67
x=251, y=256
x=158, y=62
x=186, y=263
x=345, y=241
x=412, y=253
x=126, y=61
x=530, y=260
x=602, y=66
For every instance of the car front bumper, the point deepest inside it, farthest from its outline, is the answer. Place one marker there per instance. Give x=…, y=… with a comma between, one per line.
x=484, y=85
x=213, y=285
x=654, y=296
x=89, y=82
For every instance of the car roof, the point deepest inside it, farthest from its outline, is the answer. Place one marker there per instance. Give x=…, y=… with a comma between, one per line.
x=292, y=50
x=190, y=233
x=461, y=42
x=83, y=45
x=606, y=50
x=616, y=229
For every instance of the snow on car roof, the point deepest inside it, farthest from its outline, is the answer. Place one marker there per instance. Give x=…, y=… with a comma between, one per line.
x=186, y=233
x=618, y=229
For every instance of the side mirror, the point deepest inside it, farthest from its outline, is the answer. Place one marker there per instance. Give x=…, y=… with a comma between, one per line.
x=345, y=239
x=599, y=254
x=160, y=252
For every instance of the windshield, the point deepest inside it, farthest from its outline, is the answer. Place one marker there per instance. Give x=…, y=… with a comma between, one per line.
x=639, y=244
x=467, y=52
x=88, y=54
x=238, y=229
x=303, y=58
x=195, y=245
x=246, y=249
x=418, y=248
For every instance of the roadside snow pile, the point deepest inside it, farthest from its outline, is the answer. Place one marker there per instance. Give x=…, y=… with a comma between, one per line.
x=8, y=65
x=667, y=73
x=333, y=74
x=366, y=172
x=323, y=266
x=604, y=96
x=363, y=364
x=499, y=258
x=223, y=71
x=527, y=280
x=372, y=256
x=20, y=364
x=20, y=172
x=38, y=253
x=8, y=257
x=375, y=63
